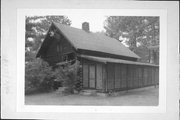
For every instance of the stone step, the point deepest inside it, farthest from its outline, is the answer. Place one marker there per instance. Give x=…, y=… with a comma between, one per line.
x=88, y=92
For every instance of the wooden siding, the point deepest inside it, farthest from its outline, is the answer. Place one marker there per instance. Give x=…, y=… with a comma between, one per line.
x=118, y=81
x=56, y=49
x=85, y=76
x=92, y=78
x=104, y=76
x=115, y=77
x=99, y=76
x=123, y=76
x=110, y=76
x=94, y=75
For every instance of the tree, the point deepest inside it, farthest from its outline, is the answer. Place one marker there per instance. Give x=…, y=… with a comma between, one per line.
x=69, y=76
x=137, y=30
x=36, y=28
x=39, y=75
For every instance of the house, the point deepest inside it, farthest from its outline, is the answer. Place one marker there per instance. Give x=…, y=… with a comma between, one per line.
x=107, y=65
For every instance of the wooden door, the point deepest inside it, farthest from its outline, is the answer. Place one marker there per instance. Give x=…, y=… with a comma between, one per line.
x=92, y=76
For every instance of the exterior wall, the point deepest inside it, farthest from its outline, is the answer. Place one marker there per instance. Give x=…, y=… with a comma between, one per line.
x=117, y=77
x=93, y=75
x=58, y=47
x=125, y=77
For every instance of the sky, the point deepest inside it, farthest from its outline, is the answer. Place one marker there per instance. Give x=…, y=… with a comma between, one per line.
x=96, y=22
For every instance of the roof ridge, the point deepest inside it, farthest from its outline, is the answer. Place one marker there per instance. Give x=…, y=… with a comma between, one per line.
x=67, y=26
x=80, y=39
x=85, y=31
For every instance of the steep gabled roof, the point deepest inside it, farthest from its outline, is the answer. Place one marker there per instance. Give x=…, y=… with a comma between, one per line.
x=94, y=41
x=81, y=39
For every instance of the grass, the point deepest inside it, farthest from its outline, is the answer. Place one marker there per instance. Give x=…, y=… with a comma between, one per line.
x=137, y=97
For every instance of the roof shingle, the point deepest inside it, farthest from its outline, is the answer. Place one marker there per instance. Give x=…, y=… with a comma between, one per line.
x=94, y=41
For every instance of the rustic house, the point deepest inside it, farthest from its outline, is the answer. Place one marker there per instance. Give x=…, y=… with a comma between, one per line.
x=106, y=63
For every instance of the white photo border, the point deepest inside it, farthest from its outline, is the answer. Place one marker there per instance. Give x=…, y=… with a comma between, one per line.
x=21, y=107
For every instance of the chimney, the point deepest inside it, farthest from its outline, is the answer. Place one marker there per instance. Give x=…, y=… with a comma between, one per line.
x=85, y=26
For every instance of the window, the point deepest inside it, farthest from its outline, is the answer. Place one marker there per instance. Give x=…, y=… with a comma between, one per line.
x=70, y=57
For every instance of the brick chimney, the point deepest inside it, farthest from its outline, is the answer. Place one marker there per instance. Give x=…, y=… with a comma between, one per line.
x=85, y=26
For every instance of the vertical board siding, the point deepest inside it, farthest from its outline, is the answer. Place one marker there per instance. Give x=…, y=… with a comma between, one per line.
x=130, y=76
x=123, y=76
x=104, y=77
x=92, y=76
x=118, y=80
x=145, y=76
x=143, y=81
x=127, y=77
x=154, y=73
x=157, y=76
x=153, y=76
x=110, y=74
x=140, y=76
x=147, y=80
x=85, y=75
x=133, y=76
x=149, y=76
x=99, y=76
x=137, y=76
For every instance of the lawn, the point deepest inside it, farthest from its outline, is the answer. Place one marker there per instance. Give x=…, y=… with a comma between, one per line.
x=138, y=97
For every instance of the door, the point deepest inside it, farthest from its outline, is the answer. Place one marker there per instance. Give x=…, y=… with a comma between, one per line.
x=92, y=76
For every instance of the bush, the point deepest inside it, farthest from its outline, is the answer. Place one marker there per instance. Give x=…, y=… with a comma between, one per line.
x=38, y=76
x=68, y=77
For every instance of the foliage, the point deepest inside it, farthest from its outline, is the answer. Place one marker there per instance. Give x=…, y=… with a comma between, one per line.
x=36, y=28
x=68, y=77
x=143, y=53
x=142, y=30
x=38, y=76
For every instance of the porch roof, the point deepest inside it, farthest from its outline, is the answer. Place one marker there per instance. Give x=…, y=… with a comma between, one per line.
x=112, y=60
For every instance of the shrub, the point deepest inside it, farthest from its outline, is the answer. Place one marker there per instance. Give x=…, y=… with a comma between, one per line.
x=38, y=76
x=68, y=77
